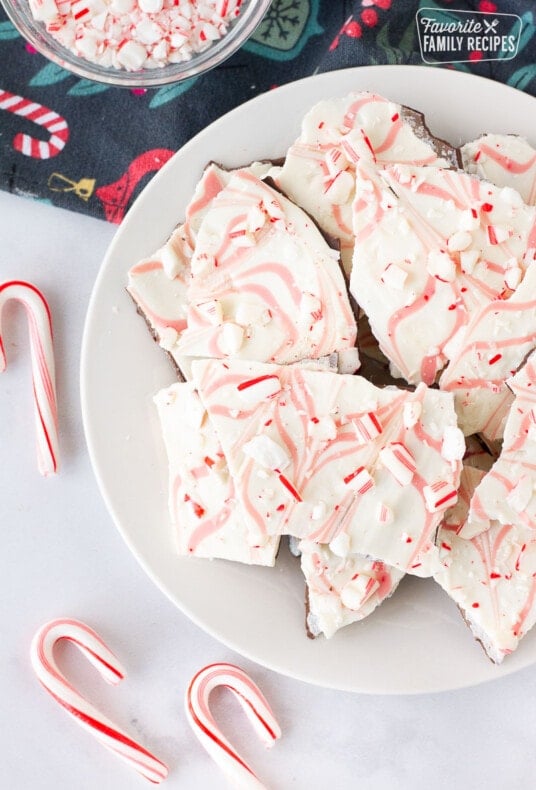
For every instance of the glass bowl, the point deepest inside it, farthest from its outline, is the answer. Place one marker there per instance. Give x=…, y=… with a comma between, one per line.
x=239, y=30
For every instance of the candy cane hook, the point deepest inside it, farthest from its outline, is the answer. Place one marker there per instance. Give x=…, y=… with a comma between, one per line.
x=202, y=722
x=92, y=646
x=42, y=116
x=42, y=354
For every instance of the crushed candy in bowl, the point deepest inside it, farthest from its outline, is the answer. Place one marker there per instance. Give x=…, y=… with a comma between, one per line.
x=136, y=43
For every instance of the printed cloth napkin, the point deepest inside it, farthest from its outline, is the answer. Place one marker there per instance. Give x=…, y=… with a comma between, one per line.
x=115, y=138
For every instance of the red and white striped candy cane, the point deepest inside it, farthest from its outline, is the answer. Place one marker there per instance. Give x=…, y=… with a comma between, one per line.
x=42, y=116
x=202, y=722
x=92, y=646
x=43, y=375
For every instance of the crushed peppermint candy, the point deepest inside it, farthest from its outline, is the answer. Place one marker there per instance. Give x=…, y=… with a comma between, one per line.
x=266, y=452
x=439, y=496
x=136, y=34
x=367, y=427
x=360, y=480
x=399, y=461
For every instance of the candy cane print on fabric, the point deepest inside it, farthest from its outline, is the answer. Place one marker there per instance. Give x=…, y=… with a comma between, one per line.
x=43, y=375
x=82, y=711
x=237, y=771
x=115, y=197
x=42, y=116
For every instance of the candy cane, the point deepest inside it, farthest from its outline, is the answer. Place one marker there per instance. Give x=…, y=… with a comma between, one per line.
x=91, y=645
x=42, y=116
x=202, y=722
x=42, y=353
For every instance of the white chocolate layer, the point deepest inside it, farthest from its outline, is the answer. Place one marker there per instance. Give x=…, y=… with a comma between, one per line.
x=265, y=285
x=504, y=159
x=202, y=501
x=158, y=284
x=495, y=342
x=491, y=577
x=507, y=494
x=327, y=481
x=319, y=169
x=342, y=590
x=407, y=218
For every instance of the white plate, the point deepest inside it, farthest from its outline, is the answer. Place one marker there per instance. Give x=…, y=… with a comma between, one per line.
x=416, y=641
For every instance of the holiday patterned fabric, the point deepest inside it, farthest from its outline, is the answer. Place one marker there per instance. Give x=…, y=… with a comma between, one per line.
x=97, y=147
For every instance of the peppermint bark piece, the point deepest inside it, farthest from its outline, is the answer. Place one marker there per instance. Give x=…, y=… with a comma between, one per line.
x=342, y=590
x=506, y=160
x=491, y=577
x=264, y=283
x=158, y=284
x=319, y=168
x=326, y=457
x=492, y=346
x=433, y=249
x=507, y=493
x=204, y=513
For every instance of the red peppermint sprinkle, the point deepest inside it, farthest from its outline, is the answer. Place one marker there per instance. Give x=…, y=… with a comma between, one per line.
x=494, y=359
x=198, y=510
x=288, y=485
x=369, y=146
x=486, y=207
x=244, y=385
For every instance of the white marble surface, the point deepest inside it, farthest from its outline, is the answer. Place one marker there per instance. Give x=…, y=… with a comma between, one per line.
x=62, y=556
